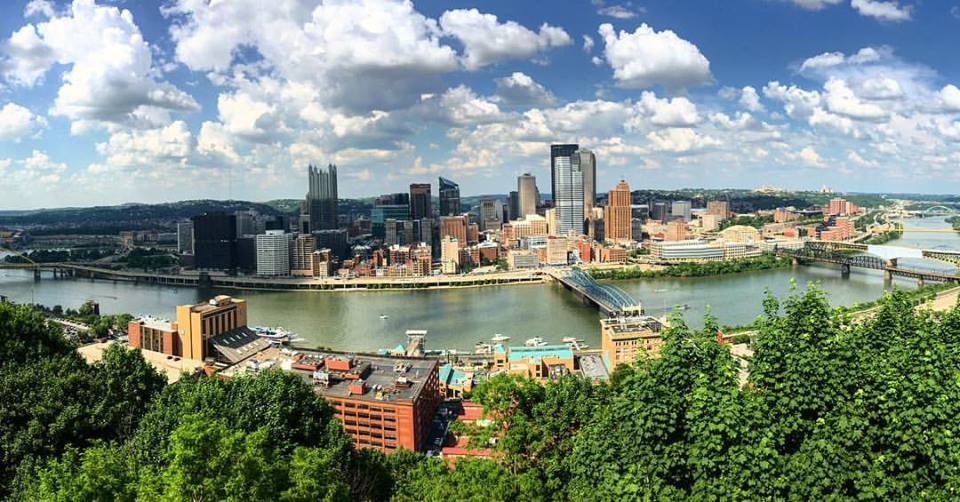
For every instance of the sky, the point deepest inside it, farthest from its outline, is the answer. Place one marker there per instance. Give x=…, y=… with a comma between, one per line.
x=106, y=102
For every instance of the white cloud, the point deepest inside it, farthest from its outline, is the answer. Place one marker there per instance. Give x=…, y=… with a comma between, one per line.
x=111, y=79
x=361, y=55
x=617, y=11
x=463, y=106
x=148, y=147
x=880, y=88
x=244, y=115
x=950, y=97
x=487, y=41
x=810, y=157
x=750, y=100
x=646, y=58
x=797, y=102
x=882, y=10
x=679, y=140
x=587, y=44
x=842, y=100
x=44, y=8
x=215, y=140
x=814, y=4
x=18, y=122
x=674, y=112
x=520, y=89
x=858, y=159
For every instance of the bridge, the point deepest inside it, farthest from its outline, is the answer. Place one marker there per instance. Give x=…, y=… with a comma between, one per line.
x=874, y=257
x=609, y=299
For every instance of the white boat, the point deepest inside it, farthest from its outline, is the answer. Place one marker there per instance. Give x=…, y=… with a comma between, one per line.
x=498, y=338
x=384, y=317
x=483, y=348
x=535, y=342
x=574, y=343
x=274, y=334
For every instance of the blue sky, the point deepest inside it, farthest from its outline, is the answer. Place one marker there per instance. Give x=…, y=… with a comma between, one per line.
x=109, y=102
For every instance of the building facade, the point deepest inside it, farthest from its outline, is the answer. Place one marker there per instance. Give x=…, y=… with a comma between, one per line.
x=321, y=200
x=215, y=241
x=623, y=339
x=273, y=253
x=567, y=188
x=421, y=205
x=449, y=193
x=197, y=324
x=617, y=217
x=527, y=195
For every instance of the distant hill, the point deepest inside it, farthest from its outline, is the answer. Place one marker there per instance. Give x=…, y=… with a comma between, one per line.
x=112, y=219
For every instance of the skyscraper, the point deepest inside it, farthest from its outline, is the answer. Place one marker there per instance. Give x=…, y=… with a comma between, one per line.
x=513, y=206
x=273, y=253
x=681, y=209
x=567, y=188
x=489, y=220
x=617, y=215
x=588, y=165
x=420, y=204
x=321, y=200
x=526, y=195
x=449, y=197
x=215, y=240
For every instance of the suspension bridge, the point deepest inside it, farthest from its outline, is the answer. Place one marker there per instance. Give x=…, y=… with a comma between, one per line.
x=609, y=299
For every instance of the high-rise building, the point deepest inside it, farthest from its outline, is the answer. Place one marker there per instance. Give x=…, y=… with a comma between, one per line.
x=513, y=206
x=321, y=200
x=681, y=209
x=719, y=208
x=588, y=166
x=617, y=215
x=660, y=211
x=383, y=212
x=420, y=204
x=185, y=237
x=246, y=223
x=273, y=253
x=334, y=240
x=454, y=226
x=567, y=188
x=526, y=195
x=301, y=262
x=215, y=240
x=449, y=197
x=489, y=220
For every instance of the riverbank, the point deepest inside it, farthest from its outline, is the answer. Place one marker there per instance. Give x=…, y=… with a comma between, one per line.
x=694, y=269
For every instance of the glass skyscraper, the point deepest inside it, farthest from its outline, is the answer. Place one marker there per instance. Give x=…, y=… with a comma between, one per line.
x=449, y=197
x=321, y=201
x=566, y=178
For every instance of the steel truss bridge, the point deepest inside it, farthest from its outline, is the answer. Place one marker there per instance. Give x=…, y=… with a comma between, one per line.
x=609, y=299
x=875, y=258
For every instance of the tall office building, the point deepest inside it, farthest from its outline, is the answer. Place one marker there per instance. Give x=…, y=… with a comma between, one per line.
x=454, y=226
x=273, y=253
x=489, y=220
x=660, y=211
x=321, y=200
x=588, y=166
x=567, y=188
x=526, y=195
x=681, y=209
x=513, y=206
x=246, y=223
x=420, y=204
x=215, y=240
x=617, y=216
x=185, y=237
x=449, y=197
x=301, y=255
x=719, y=208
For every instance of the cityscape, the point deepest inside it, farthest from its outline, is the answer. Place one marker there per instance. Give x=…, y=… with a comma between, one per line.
x=740, y=293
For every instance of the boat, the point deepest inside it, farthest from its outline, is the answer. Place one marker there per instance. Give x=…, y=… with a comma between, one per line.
x=384, y=317
x=574, y=343
x=277, y=334
x=535, y=342
x=498, y=338
x=483, y=348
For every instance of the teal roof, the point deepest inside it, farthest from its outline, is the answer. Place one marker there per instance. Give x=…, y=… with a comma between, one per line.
x=561, y=351
x=446, y=371
x=498, y=348
x=400, y=348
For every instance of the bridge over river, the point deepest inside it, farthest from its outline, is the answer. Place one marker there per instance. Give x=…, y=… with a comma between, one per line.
x=875, y=257
x=609, y=299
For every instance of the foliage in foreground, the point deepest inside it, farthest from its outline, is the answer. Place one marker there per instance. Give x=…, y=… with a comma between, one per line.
x=832, y=409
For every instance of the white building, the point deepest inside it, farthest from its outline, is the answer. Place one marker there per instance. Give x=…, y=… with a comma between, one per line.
x=273, y=253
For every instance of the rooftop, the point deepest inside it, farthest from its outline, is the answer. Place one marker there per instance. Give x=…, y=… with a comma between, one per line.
x=559, y=351
x=336, y=374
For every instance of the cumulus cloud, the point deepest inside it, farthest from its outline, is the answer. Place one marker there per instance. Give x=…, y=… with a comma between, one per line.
x=520, y=89
x=750, y=100
x=587, y=44
x=815, y=4
x=646, y=58
x=679, y=140
x=163, y=145
x=18, y=122
x=882, y=10
x=111, y=79
x=810, y=157
x=842, y=100
x=674, y=112
x=950, y=97
x=487, y=41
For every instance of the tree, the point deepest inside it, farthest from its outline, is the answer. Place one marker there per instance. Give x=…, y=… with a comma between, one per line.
x=129, y=384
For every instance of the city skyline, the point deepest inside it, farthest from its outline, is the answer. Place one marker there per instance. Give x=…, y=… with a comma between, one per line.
x=846, y=94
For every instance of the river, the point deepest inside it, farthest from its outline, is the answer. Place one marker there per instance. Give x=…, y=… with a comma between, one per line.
x=458, y=318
